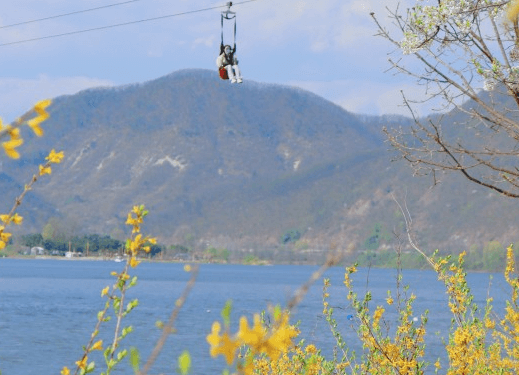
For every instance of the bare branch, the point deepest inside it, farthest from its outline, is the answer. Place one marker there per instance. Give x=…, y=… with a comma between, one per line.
x=458, y=46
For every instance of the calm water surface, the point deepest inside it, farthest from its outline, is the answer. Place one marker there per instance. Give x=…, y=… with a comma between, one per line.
x=48, y=308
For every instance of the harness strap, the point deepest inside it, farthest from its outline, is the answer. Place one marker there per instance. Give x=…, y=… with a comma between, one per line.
x=221, y=45
x=227, y=17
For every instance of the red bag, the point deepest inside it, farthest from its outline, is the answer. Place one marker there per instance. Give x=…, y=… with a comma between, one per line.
x=223, y=73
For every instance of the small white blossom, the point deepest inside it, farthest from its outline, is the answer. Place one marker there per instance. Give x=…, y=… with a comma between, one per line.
x=410, y=44
x=513, y=78
x=424, y=21
x=490, y=80
x=464, y=26
x=489, y=84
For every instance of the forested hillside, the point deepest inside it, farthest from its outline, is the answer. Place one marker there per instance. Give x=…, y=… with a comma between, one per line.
x=251, y=167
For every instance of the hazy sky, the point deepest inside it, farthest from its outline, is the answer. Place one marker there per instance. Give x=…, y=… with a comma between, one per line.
x=325, y=46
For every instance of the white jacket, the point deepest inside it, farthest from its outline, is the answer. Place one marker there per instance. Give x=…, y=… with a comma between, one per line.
x=222, y=61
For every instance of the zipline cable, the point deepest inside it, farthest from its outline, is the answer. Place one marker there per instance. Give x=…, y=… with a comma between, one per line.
x=122, y=24
x=67, y=14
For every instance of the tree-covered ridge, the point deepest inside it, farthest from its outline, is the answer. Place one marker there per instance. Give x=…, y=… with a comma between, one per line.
x=276, y=164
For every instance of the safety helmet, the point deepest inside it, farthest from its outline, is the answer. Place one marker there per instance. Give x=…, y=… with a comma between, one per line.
x=227, y=49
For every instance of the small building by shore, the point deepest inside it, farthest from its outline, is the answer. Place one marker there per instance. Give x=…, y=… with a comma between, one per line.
x=37, y=250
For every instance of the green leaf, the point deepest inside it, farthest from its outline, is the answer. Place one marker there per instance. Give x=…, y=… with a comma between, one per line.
x=107, y=352
x=131, y=305
x=121, y=354
x=226, y=313
x=132, y=283
x=126, y=330
x=90, y=367
x=135, y=359
x=277, y=312
x=111, y=363
x=184, y=363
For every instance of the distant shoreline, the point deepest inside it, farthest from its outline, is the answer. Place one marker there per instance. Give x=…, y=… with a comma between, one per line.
x=104, y=259
x=97, y=259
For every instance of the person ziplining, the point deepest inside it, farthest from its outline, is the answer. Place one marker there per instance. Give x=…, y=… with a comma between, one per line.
x=227, y=62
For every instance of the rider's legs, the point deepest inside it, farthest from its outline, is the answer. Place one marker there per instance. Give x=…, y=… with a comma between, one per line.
x=230, y=73
x=238, y=73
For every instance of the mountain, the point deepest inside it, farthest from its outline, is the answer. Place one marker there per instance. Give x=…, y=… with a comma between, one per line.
x=237, y=166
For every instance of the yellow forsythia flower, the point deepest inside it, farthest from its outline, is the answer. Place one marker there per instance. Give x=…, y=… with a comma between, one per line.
x=377, y=315
x=45, y=170
x=136, y=243
x=98, y=345
x=82, y=364
x=224, y=344
x=35, y=126
x=41, y=105
x=10, y=148
x=130, y=219
x=34, y=123
x=214, y=337
x=134, y=262
x=2, y=244
x=255, y=336
x=4, y=236
x=5, y=218
x=55, y=157
x=17, y=219
x=14, y=133
x=65, y=371
x=311, y=349
x=104, y=292
x=187, y=268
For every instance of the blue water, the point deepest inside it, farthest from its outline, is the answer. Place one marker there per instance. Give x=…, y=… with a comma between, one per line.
x=48, y=308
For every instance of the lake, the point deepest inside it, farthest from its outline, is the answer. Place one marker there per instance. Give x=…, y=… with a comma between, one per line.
x=48, y=308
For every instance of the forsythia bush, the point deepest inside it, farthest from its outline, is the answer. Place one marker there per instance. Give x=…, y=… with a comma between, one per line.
x=10, y=148
x=115, y=295
x=478, y=342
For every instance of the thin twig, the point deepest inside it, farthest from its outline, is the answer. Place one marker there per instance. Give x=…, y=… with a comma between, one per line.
x=168, y=328
x=121, y=308
x=298, y=296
